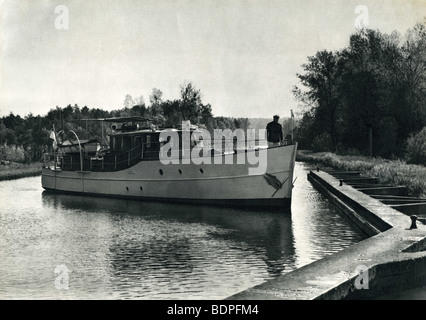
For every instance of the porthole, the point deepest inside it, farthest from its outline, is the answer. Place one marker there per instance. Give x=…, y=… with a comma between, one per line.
x=140, y=187
x=201, y=170
x=161, y=171
x=180, y=171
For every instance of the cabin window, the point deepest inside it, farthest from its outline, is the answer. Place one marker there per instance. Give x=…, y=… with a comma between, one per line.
x=127, y=143
x=113, y=143
x=155, y=138
x=119, y=143
x=138, y=141
x=138, y=145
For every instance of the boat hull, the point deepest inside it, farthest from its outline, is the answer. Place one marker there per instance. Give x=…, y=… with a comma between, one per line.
x=216, y=184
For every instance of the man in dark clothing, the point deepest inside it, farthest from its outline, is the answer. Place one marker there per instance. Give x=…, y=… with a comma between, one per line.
x=274, y=133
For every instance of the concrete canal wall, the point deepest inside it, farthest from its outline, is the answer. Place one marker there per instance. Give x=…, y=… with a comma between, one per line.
x=392, y=259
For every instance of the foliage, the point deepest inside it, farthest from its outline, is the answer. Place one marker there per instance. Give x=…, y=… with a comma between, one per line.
x=12, y=153
x=15, y=170
x=394, y=172
x=322, y=142
x=25, y=139
x=416, y=148
x=321, y=78
x=375, y=85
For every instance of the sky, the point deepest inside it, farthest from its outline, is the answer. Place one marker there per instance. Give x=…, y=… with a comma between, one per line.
x=243, y=55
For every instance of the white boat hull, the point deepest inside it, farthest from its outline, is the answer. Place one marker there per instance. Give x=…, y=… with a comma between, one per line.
x=205, y=183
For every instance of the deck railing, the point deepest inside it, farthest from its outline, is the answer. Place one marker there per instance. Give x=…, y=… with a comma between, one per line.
x=106, y=161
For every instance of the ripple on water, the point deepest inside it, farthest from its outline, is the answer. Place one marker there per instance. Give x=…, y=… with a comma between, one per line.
x=117, y=249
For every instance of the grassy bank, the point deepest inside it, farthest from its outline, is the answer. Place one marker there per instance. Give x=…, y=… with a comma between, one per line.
x=394, y=172
x=15, y=170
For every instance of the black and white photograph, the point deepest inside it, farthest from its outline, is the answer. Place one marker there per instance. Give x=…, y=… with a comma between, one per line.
x=212, y=155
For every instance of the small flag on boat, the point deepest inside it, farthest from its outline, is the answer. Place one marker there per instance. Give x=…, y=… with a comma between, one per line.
x=53, y=136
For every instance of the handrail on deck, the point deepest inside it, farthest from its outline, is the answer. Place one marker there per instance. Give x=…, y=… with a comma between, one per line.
x=123, y=159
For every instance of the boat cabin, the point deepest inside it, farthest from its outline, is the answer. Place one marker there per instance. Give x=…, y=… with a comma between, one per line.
x=129, y=143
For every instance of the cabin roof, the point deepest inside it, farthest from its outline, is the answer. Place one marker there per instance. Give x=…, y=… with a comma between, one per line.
x=118, y=119
x=134, y=132
x=126, y=119
x=145, y=131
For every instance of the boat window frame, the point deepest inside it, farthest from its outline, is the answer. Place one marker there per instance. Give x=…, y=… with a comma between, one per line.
x=126, y=143
x=135, y=141
x=114, y=143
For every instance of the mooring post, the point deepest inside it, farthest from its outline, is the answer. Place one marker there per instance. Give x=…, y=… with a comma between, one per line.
x=317, y=169
x=413, y=222
x=341, y=183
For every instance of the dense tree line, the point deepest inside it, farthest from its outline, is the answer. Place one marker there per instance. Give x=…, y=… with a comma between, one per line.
x=24, y=139
x=367, y=98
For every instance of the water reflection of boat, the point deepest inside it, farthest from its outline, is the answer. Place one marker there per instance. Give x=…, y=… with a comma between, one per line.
x=267, y=235
x=131, y=167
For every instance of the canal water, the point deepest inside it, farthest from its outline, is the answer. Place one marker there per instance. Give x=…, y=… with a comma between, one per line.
x=56, y=246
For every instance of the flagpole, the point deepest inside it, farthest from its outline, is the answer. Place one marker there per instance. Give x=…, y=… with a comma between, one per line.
x=54, y=131
x=53, y=146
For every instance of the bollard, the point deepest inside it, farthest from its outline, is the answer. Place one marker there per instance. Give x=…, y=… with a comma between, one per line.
x=341, y=183
x=413, y=222
x=317, y=169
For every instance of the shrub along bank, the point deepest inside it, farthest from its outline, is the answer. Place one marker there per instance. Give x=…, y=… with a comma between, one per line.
x=394, y=172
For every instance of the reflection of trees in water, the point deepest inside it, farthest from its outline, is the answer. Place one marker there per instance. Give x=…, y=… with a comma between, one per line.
x=171, y=242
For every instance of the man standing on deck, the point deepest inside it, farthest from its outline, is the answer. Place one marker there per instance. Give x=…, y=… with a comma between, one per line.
x=274, y=133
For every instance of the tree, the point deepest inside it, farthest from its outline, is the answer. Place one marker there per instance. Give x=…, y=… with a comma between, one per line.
x=139, y=101
x=191, y=107
x=190, y=102
x=320, y=79
x=155, y=100
x=413, y=77
x=156, y=97
x=171, y=112
x=85, y=111
x=369, y=91
x=138, y=110
x=128, y=103
x=368, y=96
